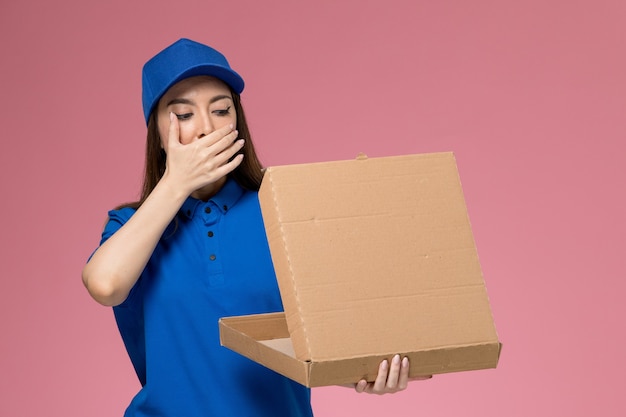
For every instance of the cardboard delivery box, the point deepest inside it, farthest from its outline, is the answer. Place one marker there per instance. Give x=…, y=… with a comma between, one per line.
x=373, y=256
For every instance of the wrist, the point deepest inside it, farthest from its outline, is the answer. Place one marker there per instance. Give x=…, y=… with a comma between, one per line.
x=173, y=189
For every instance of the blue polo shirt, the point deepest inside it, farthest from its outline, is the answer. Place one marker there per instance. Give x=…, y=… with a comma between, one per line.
x=212, y=261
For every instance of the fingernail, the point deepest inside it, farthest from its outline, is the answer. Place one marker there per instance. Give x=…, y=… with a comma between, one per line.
x=396, y=359
x=405, y=362
x=172, y=116
x=384, y=364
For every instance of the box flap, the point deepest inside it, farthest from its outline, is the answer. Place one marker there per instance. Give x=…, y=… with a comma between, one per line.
x=265, y=339
x=375, y=256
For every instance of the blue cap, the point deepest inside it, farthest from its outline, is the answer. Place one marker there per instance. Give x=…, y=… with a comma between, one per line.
x=183, y=59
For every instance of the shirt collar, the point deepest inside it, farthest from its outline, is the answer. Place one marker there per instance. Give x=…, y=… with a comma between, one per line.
x=224, y=200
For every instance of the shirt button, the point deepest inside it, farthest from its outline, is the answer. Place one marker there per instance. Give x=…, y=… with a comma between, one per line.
x=207, y=209
x=210, y=234
x=225, y=207
x=212, y=257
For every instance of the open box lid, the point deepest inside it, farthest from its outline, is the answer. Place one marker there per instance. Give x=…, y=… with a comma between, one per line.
x=375, y=256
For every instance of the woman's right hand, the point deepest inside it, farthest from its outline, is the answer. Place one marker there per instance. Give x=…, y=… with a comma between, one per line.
x=205, y=161
x=200, y=165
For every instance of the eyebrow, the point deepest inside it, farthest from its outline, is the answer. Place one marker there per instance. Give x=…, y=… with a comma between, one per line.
x=190, y=102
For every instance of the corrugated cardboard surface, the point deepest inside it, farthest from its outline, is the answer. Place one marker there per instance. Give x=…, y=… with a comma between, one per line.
x=376, y=257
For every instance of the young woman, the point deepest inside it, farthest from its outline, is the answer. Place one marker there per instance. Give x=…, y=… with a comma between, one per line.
x=193, y=249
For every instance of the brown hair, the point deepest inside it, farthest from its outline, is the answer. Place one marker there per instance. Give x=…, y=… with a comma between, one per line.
x=248, y=174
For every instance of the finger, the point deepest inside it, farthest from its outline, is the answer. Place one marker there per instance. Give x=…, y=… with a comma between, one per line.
x=173, y=133
x=229, y=155
x=228, y=167
x=218, y=135
x=381, y=378
x=394, y=372
x=233, y=149
x=403, y=380
x=360, y=386
x=228, y=143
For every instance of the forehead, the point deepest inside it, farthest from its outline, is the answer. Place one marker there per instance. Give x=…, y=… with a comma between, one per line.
x=195, y=85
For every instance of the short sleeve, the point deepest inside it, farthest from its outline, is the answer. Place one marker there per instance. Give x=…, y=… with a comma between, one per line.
x=117, y=219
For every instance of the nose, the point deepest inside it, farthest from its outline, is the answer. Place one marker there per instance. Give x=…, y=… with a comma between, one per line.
x=205, y=127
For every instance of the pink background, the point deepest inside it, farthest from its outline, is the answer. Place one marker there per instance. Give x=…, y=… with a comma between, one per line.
x=530, y=95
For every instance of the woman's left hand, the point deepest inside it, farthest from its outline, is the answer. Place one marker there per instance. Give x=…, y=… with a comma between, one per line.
x=391, y=378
